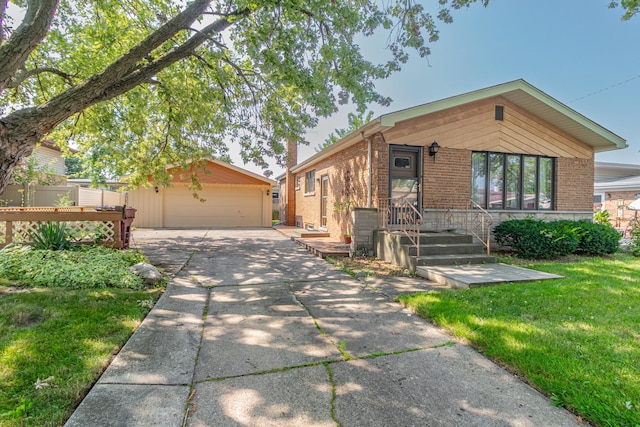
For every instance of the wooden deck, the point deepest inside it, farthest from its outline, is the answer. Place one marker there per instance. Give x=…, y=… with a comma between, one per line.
x=317, y=242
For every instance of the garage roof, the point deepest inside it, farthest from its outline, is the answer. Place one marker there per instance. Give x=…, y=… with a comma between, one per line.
x=219, y=172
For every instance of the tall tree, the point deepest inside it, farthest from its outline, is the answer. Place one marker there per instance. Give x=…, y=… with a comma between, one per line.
x=137, y=85
x=354, y=122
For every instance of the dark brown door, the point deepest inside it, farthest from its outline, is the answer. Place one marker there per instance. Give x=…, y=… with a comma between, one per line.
x=404, y=176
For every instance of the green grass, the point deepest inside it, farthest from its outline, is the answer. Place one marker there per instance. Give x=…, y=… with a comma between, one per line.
x=69, y=335
x=63, y=315
x=577, y=339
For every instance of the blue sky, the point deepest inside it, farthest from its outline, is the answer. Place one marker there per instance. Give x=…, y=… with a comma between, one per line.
x=578, y=52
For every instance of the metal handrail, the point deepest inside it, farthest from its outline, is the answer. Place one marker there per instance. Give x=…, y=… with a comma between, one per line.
x=401, y=215
x=481, y=222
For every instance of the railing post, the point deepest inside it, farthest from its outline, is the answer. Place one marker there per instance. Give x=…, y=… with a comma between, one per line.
x=8, y=229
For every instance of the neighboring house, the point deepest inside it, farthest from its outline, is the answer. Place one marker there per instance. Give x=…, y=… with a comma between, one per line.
x=230, y=197
x=43, y=172
x=616, y=186
x=512, y=149
x=49, y=158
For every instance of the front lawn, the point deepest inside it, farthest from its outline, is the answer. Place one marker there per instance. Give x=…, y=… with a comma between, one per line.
x=55, y=341
x=577, y=339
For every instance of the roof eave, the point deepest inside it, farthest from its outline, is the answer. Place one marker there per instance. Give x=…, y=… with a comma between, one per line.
x=354, y=137
x=609, y=141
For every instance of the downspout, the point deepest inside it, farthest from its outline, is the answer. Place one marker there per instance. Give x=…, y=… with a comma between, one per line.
x=369, y=170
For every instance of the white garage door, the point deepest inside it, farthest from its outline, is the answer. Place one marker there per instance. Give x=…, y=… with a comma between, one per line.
x=223, y=207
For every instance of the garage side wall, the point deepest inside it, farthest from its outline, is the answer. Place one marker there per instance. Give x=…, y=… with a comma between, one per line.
x=148, y=204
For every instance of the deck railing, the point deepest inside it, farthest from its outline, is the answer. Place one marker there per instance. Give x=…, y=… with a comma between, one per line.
x=401, y=215
x=84, y=225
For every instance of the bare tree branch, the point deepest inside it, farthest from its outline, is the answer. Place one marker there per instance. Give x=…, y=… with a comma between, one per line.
x=23, y=74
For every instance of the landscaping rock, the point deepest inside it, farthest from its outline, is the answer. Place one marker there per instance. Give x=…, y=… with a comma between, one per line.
x=147, y=272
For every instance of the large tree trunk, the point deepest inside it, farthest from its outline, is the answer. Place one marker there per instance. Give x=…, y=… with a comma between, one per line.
x=18, y=138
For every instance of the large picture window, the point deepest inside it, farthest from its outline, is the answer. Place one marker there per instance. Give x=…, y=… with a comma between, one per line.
x=512, y=181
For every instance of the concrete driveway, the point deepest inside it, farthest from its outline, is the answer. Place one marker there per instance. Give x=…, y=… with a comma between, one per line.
x=254, y=331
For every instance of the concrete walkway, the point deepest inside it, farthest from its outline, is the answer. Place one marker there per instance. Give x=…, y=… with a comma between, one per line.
x=254, y=331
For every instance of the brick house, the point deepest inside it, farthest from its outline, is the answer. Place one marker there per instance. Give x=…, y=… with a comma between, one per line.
x=512, y=149
x=617, y=185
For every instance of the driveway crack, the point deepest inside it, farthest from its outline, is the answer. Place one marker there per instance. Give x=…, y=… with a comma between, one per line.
x=190, y=405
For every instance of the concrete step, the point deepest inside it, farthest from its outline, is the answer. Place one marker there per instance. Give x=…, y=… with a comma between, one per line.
x=470, y=276
x=455, y=259
x=447, y=249
x=439, y=238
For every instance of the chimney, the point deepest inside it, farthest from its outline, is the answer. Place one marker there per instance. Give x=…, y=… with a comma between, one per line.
x=292, y=160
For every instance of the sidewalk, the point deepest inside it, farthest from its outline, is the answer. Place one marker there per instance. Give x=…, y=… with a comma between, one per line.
x=254, y=331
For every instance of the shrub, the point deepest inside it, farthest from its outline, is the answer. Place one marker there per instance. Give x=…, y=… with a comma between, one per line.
x=51, y=235
x=537, y=239
x=601, y=217
x=635, y=240
x=84, y=268
x=598, y=238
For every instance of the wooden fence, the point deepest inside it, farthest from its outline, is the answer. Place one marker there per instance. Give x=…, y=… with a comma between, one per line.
x=84, y=225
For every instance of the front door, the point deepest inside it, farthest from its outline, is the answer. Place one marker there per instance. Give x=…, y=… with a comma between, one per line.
x=324, y=194
x=404, y=177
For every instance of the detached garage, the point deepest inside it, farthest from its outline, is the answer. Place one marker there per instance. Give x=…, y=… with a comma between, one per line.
x=230, y=197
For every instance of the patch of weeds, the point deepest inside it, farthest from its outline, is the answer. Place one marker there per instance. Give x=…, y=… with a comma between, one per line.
x=369, y=266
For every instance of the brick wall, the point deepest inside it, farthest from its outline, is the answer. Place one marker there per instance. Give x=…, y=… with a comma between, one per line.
x=574, y=184
x=447, y=178
x=616, y=203
x=347, y=172
x=446, y=182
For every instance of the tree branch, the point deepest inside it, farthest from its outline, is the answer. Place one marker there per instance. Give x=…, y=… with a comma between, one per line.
x=3, y=10
x=87, y=94
x=23, y=74
x=34, y=27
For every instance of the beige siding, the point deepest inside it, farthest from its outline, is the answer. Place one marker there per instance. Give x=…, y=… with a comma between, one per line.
x=217, y=206
x=224, y=206
x=49, y=158
x=473, y=127
x=148, y=204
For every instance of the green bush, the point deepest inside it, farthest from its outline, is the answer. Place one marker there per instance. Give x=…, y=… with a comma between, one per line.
x=602, y=217
x=51, y=235
x=598, y=238
x=537, y=239
x=85, y=267
x=635, y=241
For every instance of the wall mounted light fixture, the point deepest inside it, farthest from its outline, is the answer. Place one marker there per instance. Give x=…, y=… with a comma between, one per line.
x=156, y=189
x=433, y=149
